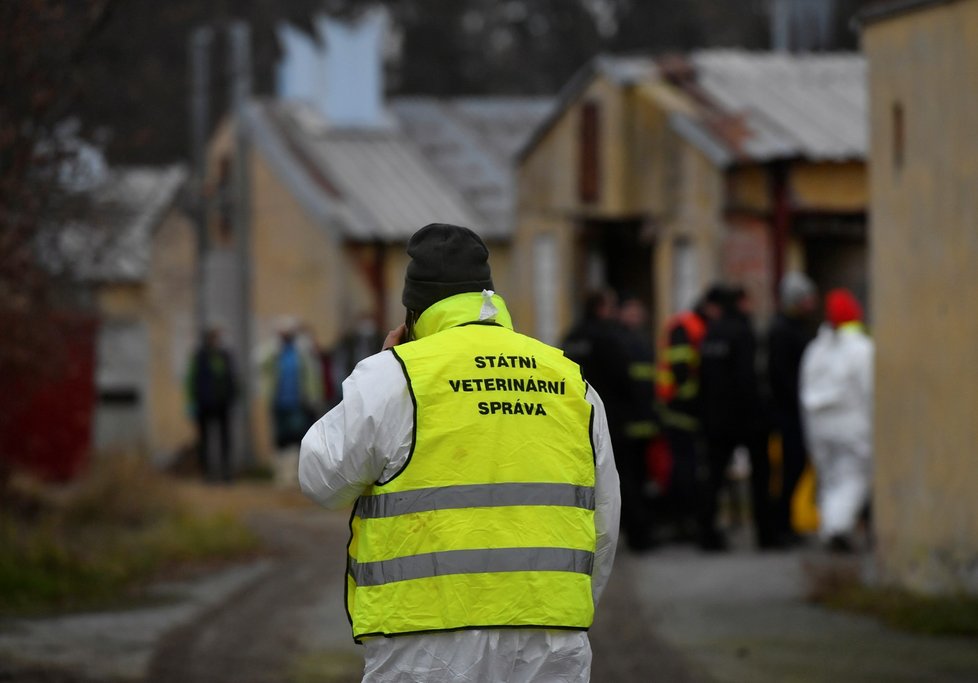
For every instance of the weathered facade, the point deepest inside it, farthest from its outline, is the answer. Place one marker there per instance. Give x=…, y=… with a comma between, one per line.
x=924, y=160
x=144, y=282
x=659, y=177
x=330, y=210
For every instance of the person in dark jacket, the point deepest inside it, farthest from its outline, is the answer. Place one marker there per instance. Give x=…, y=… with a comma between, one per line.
x=211, y=391
x=791, y=330
x=732, y=417
x=599, y=343
x=642, y=424
x=678, y=394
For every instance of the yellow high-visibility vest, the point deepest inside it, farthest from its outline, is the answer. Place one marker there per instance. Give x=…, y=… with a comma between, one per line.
x=490, y=523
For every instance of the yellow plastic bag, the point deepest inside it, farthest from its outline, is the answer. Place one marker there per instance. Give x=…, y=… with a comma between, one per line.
x=804, y=510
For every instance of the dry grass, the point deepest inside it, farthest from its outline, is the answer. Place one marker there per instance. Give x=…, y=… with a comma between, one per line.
x=98, y=541
x=838, y=584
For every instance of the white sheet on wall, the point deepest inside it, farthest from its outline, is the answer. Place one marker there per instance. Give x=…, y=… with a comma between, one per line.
x=545, y=281
x=685, y=275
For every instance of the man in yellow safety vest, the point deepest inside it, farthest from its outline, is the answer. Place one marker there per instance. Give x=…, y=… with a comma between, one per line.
x=485, y=495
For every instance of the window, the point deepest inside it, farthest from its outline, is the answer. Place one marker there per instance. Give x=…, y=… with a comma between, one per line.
x=589, y=176
x=898, y=128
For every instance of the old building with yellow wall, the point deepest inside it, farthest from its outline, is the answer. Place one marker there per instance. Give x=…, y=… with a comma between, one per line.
x=330, y=209
x=923, y=90
x=589, y=184
x=662, y=176
x=143, y=279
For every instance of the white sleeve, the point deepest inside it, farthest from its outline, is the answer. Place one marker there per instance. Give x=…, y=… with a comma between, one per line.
x=366, y=437
x=607, y=497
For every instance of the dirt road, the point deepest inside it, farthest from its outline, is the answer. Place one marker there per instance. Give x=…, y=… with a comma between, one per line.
x=291, y=626
x=257, y=635
x=282, y=620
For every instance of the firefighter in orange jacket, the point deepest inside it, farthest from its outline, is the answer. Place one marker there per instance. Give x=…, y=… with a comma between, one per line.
x=677, y=391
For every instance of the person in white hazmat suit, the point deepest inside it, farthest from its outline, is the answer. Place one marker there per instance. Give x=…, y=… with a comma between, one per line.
x=836, y=386
x=486, y=499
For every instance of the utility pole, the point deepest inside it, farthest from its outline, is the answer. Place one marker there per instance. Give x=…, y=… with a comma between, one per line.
x=199, y=48
x=239, y=58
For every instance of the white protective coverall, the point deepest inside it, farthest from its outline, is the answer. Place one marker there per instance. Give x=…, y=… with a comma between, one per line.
x=837, y=407
x=367, y=437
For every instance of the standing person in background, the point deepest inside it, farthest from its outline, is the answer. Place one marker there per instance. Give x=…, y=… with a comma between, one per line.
x=362, y=341
x=677, y=390
x=324, y=358
x=791, y=331
x=733, y=416
x=837, y=405
x=294, y=380
x=485, y=513
x=641, y=427
x=598, y=344
x=211, y=389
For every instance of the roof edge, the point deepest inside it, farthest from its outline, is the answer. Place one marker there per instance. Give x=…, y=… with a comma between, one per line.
x=690, y=130
x=565, y=98
x=889, y=10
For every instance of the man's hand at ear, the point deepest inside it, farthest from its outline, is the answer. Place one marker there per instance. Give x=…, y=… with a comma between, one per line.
x=395, y=337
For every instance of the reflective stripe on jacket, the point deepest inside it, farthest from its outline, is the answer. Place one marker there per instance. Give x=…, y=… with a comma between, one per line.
x=490, y=523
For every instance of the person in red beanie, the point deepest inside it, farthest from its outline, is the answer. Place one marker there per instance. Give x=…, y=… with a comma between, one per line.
x=841, y=307
x=837, y=407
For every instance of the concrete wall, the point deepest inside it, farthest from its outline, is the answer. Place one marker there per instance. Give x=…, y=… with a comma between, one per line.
x=924, y=240
x=171, y=335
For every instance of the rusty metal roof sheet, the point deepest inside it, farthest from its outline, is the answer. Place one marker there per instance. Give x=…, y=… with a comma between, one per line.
x=472, y=142
x=782, y=106
x=368, y=184
x=748, y=106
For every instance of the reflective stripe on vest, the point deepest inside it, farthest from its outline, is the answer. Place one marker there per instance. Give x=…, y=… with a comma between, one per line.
x=643, y=429
x=680, y=421
x=641, y=372
x=471, y=562
x=491, y=521
x=666, y=389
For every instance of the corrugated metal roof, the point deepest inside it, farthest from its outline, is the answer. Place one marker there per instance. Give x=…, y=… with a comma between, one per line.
x=369, y=183
x=811, y=106
x=110, y=239
x=472, y=142
x=749, y=106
